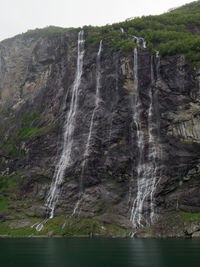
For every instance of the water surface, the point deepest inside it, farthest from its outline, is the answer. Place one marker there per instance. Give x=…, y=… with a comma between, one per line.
x=102, y=252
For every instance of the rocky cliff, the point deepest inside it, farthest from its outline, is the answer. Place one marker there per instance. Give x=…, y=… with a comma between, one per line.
x=128, y=132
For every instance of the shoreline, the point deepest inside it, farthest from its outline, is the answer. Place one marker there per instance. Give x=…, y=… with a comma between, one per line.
x=98, y=236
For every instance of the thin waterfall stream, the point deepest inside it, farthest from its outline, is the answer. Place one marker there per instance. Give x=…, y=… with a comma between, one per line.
x=68, y=130
x=143, y=207
x=97, y=102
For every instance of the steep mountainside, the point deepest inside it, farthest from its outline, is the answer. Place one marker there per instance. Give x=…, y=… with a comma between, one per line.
x=100, y=129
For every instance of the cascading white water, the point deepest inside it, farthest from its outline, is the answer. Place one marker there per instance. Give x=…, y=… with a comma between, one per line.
x=113, y=111
x=140, y=41
x=154, y=152
x=69, y=126
x=97, y=102
x=136, y=209
x=143, y=211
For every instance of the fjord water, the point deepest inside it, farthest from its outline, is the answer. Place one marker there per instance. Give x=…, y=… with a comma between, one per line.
x=101, y=252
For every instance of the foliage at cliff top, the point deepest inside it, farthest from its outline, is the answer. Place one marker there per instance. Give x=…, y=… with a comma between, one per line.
x=173, y=33
x=49, y=31
x=193, y=5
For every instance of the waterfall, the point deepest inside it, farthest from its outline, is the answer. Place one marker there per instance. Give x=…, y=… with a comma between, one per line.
x=97, y=102
x=136, y=211
x=153, y=150
x=122, y=30
x=68, y=130
x=112, y=110
x=143, y=210
x=140, y=41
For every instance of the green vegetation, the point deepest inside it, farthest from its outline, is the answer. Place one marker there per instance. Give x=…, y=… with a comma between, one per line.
x=28, y=132
x=173, y=33
x=29, y=117
x=186, y=216
x=74, y=226
x=50, y=31
x=7, y=113
x=23, y=231
x=70, y=227
x=12, y=149
x=188, y=142
x=195, y=175
x=6, y=183
x=115, y=41
x=81, y=226
x=9, y=148
x=28, y=128
x=3, y=203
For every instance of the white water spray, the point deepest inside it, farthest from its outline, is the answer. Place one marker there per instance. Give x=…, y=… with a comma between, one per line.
x=140, y=41
x=136, y=209
x=69, y=126
x=97, y=100
x=143, y=210
x=87, y=147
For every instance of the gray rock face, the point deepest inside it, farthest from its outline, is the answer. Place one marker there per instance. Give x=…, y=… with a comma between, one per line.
x=196, y=235
x=192, y=229
x=15, y=225
x=36, y=211
x=36, y=79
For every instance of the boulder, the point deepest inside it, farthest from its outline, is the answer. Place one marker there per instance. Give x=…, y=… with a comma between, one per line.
x=196, y=235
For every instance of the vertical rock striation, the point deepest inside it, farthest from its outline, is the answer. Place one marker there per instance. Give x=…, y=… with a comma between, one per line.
x=148, y=152
x=68, y=131
x=113, y=136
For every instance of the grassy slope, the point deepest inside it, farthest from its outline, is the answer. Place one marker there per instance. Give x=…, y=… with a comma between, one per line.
x=60, y=226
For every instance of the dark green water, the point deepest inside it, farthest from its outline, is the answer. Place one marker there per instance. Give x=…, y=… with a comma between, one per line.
x=106, y=252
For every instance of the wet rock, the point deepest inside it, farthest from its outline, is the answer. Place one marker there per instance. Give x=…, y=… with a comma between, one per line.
x=196, y=235
x=59, y=212
x=195, y=219
x=38, y=211
x=11, y=217
x=30, y=213
x=36, y=79
x=50, y=234
x=13, y=207
x=144, y=235
x=20, y=224
x=192, y=228
x=3, y=215
x=115, y=219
